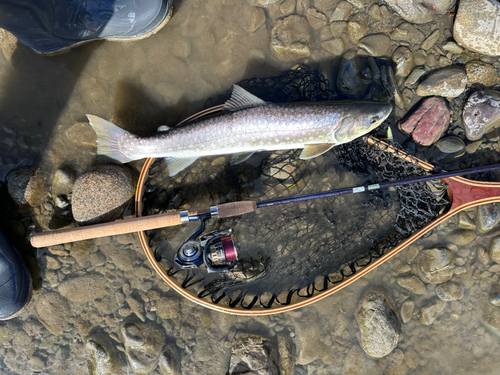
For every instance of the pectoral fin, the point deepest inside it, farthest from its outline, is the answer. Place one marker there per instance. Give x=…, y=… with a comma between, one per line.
x=311, y=151
x=176, y=165
x=241, y=157
x=241, y=98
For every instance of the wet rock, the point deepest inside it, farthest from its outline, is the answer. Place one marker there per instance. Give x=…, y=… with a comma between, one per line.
x=325, y=6
x=494, y=296
x=290, y=38
x=449, y=291
x=378, y=322
x=376, y=45
x=357, y=27
x=429, y=42
x=407, y=310
x=25, y=186
x=102, y=193
x=250, y=354
x=430, y=313
x=143, y=345
x=342, y=12
x=104, y=359
x=403, y=58
x=476, y=27
x=338, y=28
x=136, y=307
x=495, y=249
x=335, y=46
x=408, y=33
x=54, y=312
x=316, y=19
x=488, y=216
x=266, y=3
x=446, y=151
x=428, y=122
x=412, y=283
x=465, y=222
x=374, y=12
x=255, y=20
x=435, y=266
x=481, y=73
x=84, y=288
x=286, y=353
x=461, y=237
x=420, y=59
x=62, y=182
x=452, y=47
x=449, y=82
x=420, y=11
x=353, y=76
x=170, y=361
x=481, y=113
x=354, y=362
x=414, y=76
x=287, y=7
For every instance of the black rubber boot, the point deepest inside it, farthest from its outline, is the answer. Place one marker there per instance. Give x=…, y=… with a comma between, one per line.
x=15, y=281
x=53, y=26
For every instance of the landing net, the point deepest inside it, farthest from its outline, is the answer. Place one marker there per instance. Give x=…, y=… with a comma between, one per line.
x=293, y=250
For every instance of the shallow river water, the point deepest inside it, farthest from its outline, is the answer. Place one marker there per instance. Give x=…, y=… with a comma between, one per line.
x=201, y=52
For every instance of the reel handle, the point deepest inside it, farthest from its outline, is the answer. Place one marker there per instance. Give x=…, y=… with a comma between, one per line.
x=136, y=224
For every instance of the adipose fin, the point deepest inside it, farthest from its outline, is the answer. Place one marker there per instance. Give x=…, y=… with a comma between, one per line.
x=108, y=136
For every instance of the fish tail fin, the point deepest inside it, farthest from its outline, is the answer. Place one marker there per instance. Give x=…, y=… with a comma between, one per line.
x=108, y=137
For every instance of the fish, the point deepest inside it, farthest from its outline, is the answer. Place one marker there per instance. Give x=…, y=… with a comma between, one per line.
x=246, y=125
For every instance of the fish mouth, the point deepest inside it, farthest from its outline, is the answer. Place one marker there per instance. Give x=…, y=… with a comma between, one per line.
x=357, y=129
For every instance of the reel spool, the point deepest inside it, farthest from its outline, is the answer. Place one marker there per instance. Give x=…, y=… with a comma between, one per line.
x=218, y=250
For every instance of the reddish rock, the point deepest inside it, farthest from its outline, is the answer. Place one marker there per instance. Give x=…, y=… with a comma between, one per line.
x=428, y=122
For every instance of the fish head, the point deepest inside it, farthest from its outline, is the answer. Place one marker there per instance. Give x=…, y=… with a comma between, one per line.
x=359, y=119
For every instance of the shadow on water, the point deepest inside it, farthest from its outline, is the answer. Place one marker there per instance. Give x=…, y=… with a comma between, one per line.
x=34, y=92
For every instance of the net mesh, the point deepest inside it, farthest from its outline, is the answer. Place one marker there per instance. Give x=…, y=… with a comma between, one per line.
x=295, y=249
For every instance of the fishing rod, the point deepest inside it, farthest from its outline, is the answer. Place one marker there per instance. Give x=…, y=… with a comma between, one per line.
x=219, y=211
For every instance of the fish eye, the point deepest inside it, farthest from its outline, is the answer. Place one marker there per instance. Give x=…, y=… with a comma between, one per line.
x=373, y=120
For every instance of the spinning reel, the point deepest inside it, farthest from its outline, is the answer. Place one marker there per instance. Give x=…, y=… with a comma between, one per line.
x=217, y=249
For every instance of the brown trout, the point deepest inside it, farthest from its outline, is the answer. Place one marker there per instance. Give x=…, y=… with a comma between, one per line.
x=247, y=124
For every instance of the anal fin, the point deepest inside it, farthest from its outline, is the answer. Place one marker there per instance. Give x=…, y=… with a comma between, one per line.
x=241, y=157
x=314, y=150
x=176, y=165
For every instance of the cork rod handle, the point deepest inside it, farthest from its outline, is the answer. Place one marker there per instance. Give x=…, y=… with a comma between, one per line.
x=137, y=224
x=107, y=229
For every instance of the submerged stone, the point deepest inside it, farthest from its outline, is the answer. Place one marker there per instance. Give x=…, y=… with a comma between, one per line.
x=494, y=296
x=420, y=11
x=102, y=193
x=353, y=76
x=449, y=82
x=403, y=58
x=465, y=222
x=250, y=354
x=430, y=313
x=481, y=73
x=449, y=291
x=435, y=266
x=412, y=283
x=488, y=216
x=446, y=150
x=495, y=249
x=378, y=322
x=376, y=45
x=428, y=122
x=407, y=310
x=429, y=42
x=414, y=76
x=291, y=38
x=481, y=113
x=408, y=33
x=476, y=26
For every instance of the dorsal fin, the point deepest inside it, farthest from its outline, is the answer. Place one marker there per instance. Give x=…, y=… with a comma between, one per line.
x=241, y=98
x=313, y=150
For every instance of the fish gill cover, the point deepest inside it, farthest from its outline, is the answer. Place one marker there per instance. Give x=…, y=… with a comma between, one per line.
x=295, y=249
